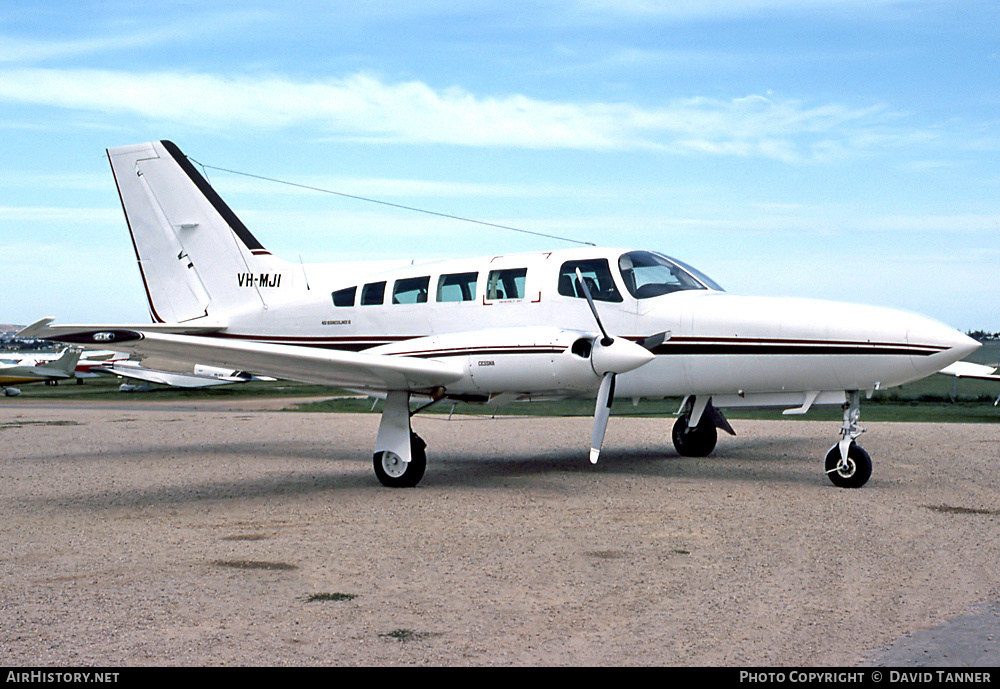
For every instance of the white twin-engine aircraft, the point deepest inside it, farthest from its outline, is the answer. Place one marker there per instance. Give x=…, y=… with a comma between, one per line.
x=581, y=322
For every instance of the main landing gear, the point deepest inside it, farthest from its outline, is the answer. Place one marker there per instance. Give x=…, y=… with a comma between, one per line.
x=694, y=441
x=847, y=465
x=695, y=432
x=400, y=454
x=393, y=472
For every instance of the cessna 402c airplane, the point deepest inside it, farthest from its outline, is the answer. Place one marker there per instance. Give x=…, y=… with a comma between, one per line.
x=582, y=322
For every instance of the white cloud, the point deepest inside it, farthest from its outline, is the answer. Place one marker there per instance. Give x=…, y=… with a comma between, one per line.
x=364, y=107
x=123, y=34
x=716, y=9
x=56, y=214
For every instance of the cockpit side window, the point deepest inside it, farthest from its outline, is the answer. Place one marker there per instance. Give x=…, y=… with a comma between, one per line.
x=649, y=275
x=373, y=294
x=596, y=274
x=344, y=297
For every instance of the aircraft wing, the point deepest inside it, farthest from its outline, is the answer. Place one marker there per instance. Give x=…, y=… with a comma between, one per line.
x=189, y=328
x=967, y=369
x=358, y=370
x=55, y=369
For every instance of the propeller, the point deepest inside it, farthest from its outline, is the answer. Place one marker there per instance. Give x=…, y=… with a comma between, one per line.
x=607, y=339
x=609, y=357
x=602, y=412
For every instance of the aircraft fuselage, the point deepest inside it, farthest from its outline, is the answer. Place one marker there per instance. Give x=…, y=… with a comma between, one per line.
x=510, y=323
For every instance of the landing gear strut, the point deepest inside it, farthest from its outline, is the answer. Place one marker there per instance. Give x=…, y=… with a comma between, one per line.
x=847, y=464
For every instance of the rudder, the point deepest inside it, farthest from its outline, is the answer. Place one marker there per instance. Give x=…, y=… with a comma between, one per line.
x=196, y=258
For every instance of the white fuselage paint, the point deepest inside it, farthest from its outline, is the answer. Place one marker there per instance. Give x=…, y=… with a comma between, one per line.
x=718, y=343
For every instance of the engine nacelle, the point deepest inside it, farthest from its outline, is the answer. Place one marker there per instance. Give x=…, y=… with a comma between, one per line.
x=536, y=359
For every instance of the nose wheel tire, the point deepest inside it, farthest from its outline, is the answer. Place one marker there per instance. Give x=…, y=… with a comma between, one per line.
x=852, y=471
x=393, y=472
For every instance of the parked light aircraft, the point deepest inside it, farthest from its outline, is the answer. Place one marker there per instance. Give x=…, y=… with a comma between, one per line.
x=967, y=369
x=85, y=365
x=181, y=374
x=27, y=370
x=582, y=322
x=199, y=376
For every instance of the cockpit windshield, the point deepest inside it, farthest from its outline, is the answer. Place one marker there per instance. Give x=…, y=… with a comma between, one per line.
x=647, y=274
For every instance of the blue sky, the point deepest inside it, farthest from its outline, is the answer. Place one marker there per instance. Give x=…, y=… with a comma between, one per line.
x=840, y=149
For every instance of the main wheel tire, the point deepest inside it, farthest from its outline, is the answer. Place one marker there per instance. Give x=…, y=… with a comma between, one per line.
x=694, y=442
x=855, y=472
x=393, y=472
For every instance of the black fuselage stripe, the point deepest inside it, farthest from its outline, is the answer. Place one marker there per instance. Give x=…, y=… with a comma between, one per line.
x=732, y=348
x=482, y=351
x=690, y=347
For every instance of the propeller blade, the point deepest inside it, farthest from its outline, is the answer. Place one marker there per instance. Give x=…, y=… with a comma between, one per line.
x=593, y=307
x=605, y=397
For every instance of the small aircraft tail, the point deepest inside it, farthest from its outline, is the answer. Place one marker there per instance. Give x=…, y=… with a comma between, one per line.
x=65, y=363
x=196, y=258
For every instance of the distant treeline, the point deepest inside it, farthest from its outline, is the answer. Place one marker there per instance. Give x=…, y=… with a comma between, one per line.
x=982, y=335
x=9, y=342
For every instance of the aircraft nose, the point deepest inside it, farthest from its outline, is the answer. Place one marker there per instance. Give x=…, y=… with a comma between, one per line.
x=944, y=344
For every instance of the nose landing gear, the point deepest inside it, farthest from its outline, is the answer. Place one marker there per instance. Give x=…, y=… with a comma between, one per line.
x=847, y=464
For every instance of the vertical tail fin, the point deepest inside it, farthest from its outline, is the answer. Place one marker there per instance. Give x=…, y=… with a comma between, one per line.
x=67, y=362
x=196, y=258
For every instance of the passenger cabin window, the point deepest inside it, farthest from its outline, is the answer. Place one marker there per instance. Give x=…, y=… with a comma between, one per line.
x=506, y=284
x=649, y=275
x=344, y=297
x=410, y=290
x=596, y=273
x=457, y=287
x=373, y=294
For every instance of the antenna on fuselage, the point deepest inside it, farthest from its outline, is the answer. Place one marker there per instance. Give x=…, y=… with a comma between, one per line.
x=305, y=275
x=393, y=205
